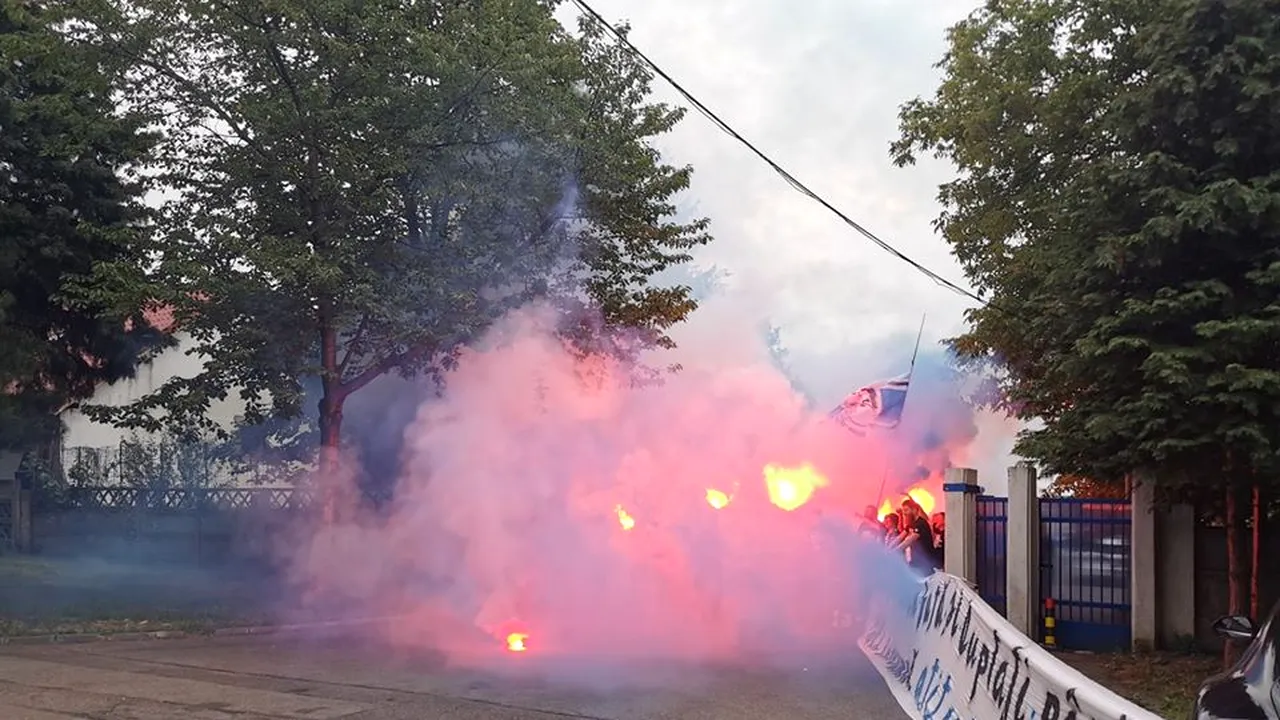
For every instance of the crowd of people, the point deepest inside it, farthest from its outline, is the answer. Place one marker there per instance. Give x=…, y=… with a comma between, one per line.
x=911, y=531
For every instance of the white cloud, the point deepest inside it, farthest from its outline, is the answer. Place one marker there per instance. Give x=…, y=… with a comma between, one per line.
x=816, y=86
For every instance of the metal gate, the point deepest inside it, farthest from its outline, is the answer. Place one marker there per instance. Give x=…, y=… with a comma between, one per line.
x=992, y=532
x=1085, y=551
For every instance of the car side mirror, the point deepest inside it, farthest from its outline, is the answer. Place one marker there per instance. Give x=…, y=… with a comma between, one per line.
x=1236, y=627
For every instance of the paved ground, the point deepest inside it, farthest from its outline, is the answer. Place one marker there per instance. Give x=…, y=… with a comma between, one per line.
x=270, y=678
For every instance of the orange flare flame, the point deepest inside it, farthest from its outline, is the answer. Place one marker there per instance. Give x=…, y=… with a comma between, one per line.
x=716, y=498
x=923, y=498
x=516, y=642
x=624, y=519
x=790, y=488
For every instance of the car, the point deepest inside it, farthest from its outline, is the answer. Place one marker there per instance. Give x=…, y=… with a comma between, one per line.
x=1251, y=689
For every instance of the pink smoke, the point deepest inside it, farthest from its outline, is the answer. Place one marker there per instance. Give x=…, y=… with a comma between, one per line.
x=506, y=517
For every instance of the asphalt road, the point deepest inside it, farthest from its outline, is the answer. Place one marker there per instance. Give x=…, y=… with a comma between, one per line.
x=278, y=677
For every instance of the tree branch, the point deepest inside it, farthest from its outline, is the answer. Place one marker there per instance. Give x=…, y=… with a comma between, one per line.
x=203, y=99
x=354, y=346
x=386, y=365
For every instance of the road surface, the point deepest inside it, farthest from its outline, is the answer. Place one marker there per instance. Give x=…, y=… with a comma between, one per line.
x=278, y=677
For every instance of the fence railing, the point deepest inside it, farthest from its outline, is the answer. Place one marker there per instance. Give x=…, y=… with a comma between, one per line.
x=197, y=499
x=992, y=550
x=179, y=499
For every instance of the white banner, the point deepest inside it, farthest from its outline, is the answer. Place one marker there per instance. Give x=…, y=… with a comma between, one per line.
x=947, y=655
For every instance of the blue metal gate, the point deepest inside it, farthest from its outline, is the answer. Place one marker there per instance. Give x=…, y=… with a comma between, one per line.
x=992, y=531
x=1085, y=568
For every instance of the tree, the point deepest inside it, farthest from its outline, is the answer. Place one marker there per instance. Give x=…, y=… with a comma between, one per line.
x=362, y=187
x=1119, y=250
x=1118, y=200
x=1019, y=112
x=67, y=204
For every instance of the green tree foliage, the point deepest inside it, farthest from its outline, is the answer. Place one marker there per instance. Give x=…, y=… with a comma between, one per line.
x=1119, y=201
x=66, y=204
x=360, y=188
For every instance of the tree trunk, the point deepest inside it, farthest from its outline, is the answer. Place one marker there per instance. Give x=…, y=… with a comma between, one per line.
x=331, y=401
x=1255, y=555
x=1235, y=571
x=330, y=427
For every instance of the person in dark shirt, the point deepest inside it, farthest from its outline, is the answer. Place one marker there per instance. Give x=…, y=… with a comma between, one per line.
x=917, y=538
x=939, y=526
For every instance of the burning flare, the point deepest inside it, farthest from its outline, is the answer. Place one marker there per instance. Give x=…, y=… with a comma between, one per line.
x=516, y=642
x=624, y=518
x=790, y=488
x=716, y=498
x=923, y=498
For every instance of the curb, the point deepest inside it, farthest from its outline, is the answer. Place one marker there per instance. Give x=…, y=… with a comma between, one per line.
x=224, y=632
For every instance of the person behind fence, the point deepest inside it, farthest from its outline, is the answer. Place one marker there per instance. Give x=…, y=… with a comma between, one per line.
x=892, y=528
x=916, y=539
x=870, y=527
x=938, y=523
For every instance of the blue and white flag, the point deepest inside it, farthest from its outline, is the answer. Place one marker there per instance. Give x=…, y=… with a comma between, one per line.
x=876, y=405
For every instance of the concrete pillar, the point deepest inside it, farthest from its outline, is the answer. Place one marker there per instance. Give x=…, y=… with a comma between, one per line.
x=1176, y=576
x=1142, y=564
x=1022, y=578
x=960, y=503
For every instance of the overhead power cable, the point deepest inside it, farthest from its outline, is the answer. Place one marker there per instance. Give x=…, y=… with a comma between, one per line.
x=791, y=179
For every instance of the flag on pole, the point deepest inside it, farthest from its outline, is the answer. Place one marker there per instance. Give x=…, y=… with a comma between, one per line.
x=879, y=404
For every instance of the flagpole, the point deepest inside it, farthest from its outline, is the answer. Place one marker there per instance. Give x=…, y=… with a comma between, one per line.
x=915, y=352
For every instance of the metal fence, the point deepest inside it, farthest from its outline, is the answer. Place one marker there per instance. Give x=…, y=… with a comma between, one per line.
x=1085, y=565
x=200, y=526
x=992, y=532
x=187, y=500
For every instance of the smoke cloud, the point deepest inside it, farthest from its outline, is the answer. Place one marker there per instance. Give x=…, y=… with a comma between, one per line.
x=549, y=505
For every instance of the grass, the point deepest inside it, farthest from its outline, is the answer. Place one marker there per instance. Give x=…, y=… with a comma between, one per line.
x=1164, y=683
x=60, y=597
x=11, y=628
x=19, y=568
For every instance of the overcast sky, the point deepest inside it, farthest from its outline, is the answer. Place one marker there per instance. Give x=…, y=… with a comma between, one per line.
x=817, y=86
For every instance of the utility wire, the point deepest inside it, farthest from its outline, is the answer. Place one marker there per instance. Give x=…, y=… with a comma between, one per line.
x=791, y=179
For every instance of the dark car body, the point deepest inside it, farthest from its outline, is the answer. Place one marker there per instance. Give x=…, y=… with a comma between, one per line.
x=1251, y=689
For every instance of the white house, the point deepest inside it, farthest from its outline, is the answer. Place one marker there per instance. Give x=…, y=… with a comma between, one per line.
x=176, y=361
x=180, y=360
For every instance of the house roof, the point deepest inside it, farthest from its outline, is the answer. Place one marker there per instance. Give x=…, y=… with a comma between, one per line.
x=158, y=316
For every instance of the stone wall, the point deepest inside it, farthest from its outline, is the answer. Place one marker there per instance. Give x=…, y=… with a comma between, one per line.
x=1211, y=599
x=210, y=537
